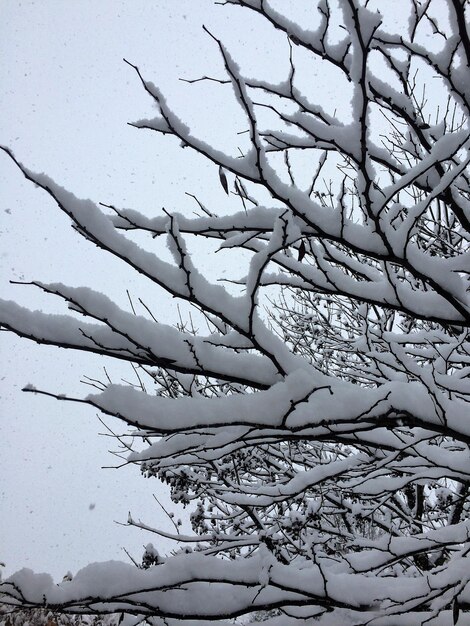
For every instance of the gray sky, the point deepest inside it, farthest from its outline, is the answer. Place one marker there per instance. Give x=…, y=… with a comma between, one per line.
x=65, y=102
x=66, y=99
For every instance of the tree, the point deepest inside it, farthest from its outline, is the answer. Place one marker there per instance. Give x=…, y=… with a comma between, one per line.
x=323, y=444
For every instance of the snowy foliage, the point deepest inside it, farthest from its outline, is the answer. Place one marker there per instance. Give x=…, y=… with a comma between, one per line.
x=319, y=430
x=44, y=617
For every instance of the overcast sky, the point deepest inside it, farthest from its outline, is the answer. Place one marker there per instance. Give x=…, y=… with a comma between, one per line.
x=65, y=102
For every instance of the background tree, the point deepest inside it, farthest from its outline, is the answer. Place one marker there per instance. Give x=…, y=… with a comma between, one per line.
x=44, y=617
x=322, y=446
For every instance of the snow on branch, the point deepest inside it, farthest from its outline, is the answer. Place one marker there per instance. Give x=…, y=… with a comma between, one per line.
x=319, y=431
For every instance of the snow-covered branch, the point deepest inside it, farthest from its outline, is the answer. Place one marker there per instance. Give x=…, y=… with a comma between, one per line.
x=319, y=431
